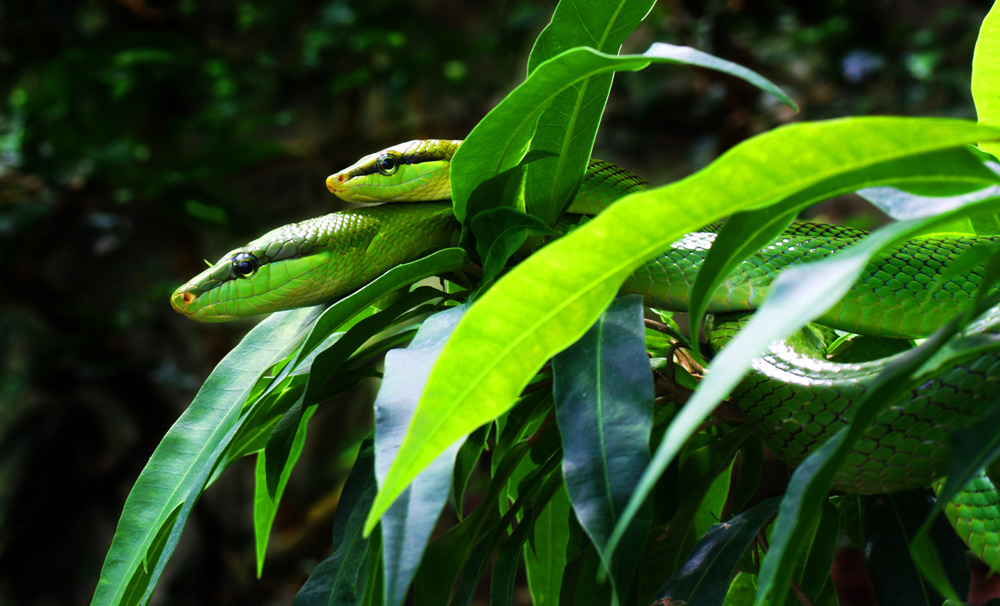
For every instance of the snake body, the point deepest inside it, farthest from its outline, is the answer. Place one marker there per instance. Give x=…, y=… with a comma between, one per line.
x=795, y=396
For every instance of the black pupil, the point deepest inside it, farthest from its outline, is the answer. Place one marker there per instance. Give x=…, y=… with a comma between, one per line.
x=244, y=265
x=388, y=164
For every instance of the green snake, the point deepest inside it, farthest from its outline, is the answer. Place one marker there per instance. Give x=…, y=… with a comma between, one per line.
x=795, y=396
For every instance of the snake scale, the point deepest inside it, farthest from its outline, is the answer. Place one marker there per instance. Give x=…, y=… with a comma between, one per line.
x=795, y=396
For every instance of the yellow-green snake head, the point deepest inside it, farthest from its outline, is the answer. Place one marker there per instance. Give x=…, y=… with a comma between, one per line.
x=314, y=261
x=415, y=171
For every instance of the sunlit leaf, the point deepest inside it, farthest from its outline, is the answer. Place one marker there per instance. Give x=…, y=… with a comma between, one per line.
x=985, y=79
x=547, y=302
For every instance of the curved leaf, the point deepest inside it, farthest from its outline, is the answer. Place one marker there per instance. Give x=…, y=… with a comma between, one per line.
x=548, y=302
x=705, y=576
x=890, y=522
x=180, y=468
x=745, y=232
x=545, y=556
x=985, y=79
x=407, y=525
x=341, y=579
x=500, y=139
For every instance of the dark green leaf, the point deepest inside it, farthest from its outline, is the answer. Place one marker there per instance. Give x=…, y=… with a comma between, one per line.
x=604, y=407
x=813, y=476
x=505, y=566
x=890, y=523
x=266, y=499
x=704, y=579
x=545, y=557
x=500, y=232
x=341, y=579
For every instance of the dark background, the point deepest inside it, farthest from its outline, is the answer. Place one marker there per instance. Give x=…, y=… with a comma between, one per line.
x=138, y=138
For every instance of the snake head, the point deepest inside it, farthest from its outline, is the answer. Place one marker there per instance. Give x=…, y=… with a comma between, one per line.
x=415, y=171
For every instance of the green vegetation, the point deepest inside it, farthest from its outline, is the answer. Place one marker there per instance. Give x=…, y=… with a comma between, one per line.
x=473, y=424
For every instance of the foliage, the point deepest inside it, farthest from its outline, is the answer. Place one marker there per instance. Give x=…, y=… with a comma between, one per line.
x=586, y=521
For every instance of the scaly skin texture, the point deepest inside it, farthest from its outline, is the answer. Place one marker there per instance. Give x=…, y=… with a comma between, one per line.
x=314, y=261
x=795, y=396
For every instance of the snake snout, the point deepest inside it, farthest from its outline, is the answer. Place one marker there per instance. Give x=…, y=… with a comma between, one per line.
x=333, y=182
x=181, y=299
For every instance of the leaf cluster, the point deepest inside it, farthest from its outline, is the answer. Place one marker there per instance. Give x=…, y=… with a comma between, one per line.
x=539, y=391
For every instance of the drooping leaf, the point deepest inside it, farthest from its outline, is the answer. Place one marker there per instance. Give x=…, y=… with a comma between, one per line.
x=890, y=523
x=748, y=231
x=341, y=579
x=506, y=564
x=181, y=466
x=545, y=556
x=813, y=477
x=270, y=481
x=500, y=232
x=604, y=407
x=548, y=301
x=408, y=524
x=705, y=576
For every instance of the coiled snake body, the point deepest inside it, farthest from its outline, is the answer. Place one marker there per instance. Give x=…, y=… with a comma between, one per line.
x=795, y=395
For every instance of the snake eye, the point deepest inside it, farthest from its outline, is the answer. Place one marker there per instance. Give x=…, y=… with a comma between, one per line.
x=244, y=265
x=387, y=164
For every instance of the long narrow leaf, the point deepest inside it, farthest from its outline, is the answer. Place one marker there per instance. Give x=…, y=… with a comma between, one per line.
x=705, y=577
x=181, y=465
x=407, y=525
x=501, y=138
x=548, y=302
x=604, y=407
x=341, y=579
x=568, y=127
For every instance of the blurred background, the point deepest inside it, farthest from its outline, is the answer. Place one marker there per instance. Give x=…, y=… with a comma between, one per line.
x=139, y=137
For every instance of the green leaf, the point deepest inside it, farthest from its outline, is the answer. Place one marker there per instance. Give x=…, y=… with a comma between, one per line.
x=545, y=557
x=985, y=79
x=604, y=408
x=704, y=459
x=890, y=522
x=501, y=138
x=800, y=294
x=505, y=566
x=408, y=524
x=547, y=302
x=270, y=480
x=401, y=276
x=447, y=554
x=465, y=464
x=568, y=127
x=705, y=576
x=181, y=466
x=710, y=510
x=342, y=578
x=746, y=232
x=813, y=570
x=500, y=232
